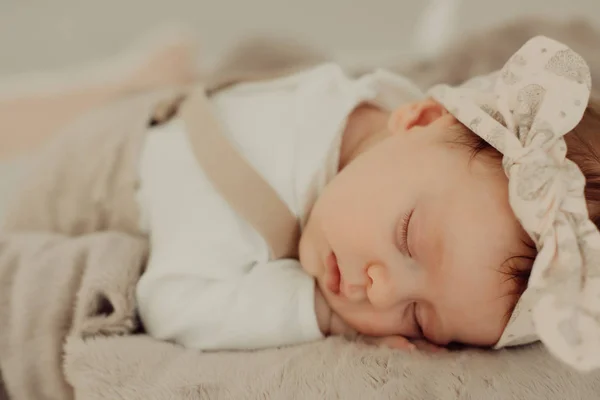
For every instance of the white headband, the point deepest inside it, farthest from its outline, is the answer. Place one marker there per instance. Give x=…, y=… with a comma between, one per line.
x=524, y=111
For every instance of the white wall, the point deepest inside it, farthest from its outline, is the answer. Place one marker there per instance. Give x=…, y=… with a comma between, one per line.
x=43, y=34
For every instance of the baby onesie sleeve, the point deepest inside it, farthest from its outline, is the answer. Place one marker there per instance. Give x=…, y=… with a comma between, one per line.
x=270, y=305
x=205, y=285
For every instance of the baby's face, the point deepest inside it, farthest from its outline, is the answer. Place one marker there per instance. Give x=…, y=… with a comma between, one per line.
x=412, y=238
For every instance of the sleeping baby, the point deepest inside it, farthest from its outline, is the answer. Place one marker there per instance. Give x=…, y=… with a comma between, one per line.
x=422, y=218
x=285, y=210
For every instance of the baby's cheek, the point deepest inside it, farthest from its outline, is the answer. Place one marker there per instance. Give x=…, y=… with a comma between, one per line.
x=311, y=267
x=309, y=259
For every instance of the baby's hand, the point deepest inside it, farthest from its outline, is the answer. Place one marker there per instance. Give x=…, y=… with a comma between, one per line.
x=426, y=346
x=331, y=324
x=393, y=342
x=402, y=343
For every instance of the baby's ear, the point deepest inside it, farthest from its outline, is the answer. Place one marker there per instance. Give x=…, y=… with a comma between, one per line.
x=420, y=113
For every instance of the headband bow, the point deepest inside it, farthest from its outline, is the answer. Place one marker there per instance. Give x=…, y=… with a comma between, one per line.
x=523, y=111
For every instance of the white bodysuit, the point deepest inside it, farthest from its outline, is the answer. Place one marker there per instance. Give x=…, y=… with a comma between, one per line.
x=209, y=283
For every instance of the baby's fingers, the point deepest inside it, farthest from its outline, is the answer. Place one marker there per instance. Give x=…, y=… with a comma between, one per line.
x=402, y=343
x=424, y=345
x=393, y=342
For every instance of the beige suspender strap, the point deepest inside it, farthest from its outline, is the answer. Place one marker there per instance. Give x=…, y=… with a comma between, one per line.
x=237, y=181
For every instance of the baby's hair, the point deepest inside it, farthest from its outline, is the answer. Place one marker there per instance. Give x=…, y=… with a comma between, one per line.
x=583, y=148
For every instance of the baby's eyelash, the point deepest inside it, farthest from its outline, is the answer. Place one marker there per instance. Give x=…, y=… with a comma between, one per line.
x=403, y=244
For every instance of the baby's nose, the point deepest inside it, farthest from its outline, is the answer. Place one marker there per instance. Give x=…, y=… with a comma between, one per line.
x=380, y=289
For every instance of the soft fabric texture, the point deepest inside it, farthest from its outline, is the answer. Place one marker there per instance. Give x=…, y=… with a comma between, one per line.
x=86, y=180
x=100, y=365
x=329, y=369
x=246, y=191
x=61, y=272
x=52, y=286
x=35, y=107
x=207, y=261
x=11, y=173
x=524, y=111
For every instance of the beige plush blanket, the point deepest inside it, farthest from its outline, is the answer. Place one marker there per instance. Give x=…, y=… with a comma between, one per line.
x=68, y=326
x=55, y=286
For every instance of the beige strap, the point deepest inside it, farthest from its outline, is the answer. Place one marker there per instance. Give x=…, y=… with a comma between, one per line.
x=237, y=181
